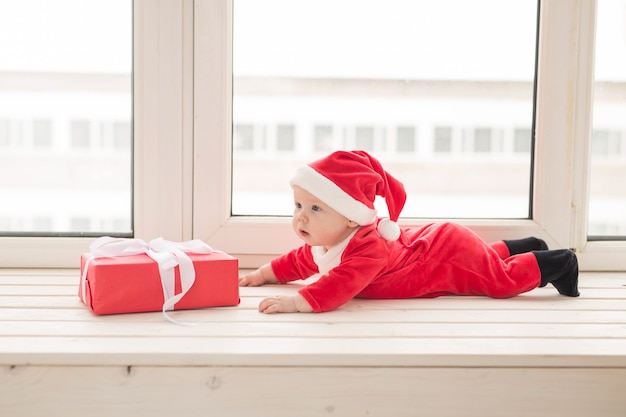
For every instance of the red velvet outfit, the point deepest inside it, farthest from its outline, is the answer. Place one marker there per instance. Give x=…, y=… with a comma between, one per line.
x=430, y=261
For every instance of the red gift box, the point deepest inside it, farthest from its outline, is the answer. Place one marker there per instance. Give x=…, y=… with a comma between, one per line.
x=132, y=284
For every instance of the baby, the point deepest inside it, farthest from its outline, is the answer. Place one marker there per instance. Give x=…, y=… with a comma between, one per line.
x=361, y=255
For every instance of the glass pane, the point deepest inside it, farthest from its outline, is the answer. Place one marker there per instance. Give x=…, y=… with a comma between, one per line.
x=65, y=117
x=440, y=91
x=607, y=204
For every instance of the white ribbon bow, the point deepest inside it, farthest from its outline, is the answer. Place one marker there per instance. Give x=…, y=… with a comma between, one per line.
x=167, y=255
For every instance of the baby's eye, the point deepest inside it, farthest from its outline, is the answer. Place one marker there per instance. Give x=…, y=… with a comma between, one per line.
x=315, y=207
x=298, y=205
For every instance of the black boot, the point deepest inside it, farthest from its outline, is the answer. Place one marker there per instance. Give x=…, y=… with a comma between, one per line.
x=525, y=245
x=560, y=268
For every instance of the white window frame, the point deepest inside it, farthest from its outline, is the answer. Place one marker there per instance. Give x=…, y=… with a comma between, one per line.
x=163, y=139
x=561, y=167
x=182, y=141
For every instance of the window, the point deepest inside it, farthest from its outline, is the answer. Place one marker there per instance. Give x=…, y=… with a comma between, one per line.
x=80, y=223
x=365, y=83
x=5, y=138
x=364, y=138
x=162, y=131
x=482, y=140
x=285, y=137
x=442, y=140
x=405, y=139
x=521, y=140
x=556, y=211
x=65, y=68
x=80, y=134
x=243, y=137
x=607, y=203
x=184, y=134
x=42, y=133
x=606, y=144
x=42, y=224
x=322, y=138
x=122, y=136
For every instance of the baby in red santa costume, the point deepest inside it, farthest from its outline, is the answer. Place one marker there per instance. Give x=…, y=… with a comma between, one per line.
x=360, y=255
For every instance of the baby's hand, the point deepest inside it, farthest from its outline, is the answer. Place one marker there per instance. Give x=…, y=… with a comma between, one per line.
x=253, y=279
x=295, y=304
x=261, y=276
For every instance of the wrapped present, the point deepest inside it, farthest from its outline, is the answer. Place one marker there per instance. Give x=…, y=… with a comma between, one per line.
x=131, y=276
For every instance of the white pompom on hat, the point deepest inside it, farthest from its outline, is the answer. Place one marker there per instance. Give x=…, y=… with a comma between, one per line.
x=349, y=181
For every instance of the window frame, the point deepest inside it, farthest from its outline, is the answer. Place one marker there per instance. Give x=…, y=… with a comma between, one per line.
x=560, y=169
x=162, y=139
x=183, y=126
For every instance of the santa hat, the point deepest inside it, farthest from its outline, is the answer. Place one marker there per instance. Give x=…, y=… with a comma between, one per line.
x=349, y=181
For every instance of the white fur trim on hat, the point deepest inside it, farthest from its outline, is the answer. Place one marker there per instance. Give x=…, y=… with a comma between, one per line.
x=327, y=191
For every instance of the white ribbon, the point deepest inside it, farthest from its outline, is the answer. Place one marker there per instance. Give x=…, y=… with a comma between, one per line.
x=167, y=255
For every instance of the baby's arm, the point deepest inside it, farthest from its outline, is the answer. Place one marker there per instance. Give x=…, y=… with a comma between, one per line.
x=263, y=275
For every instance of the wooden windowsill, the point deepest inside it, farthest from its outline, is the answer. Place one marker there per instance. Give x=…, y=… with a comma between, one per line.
x=527, y=340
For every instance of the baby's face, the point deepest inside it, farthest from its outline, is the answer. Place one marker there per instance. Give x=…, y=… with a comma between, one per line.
x=316, y=223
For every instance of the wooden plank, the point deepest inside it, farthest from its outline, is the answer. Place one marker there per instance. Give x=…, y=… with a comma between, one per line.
x=287, y=392
x=236, y=315
x=297, y=351
x=549, y=303
x=616, y=292
x=39, y=290
x=40, y=273
x=34, y=302
x=611, y=281
x=452, y=303
x=543, y=294
x=39, y=312
x=314, y=330
x=72, y=277
x=35, y=280
x=522, y=302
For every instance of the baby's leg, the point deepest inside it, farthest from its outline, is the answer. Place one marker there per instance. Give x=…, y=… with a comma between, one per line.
x=458, y=261
x=506, y=248
x=560, y=268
